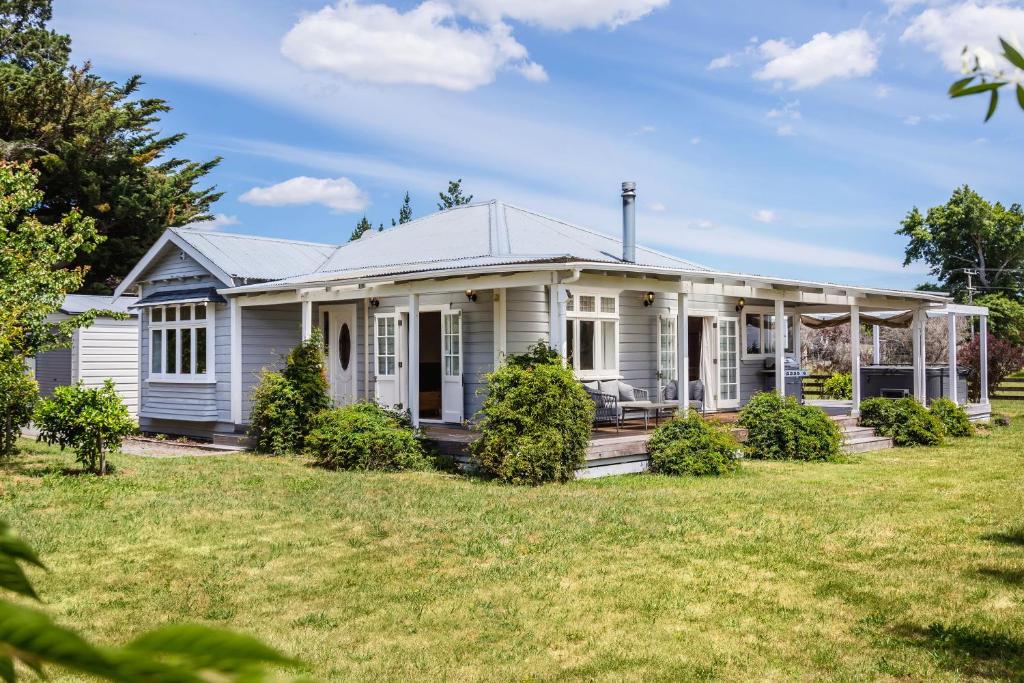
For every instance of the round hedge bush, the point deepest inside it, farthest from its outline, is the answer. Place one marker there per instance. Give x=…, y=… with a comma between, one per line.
x=782, y=429
x=839, y=386
x=273, y=420
x=904, y=420
x=694, y=446
x=536, y=421
x=953, y=417
x=364, y=436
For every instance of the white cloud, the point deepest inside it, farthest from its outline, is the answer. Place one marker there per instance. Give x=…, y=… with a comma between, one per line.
x=764, y=215
x=946, y=31
x=785, y=130
x=784, y=117
x=424, y=46
x=644, y=130
x=823, y=58
x=912, y=120
x=883, y=91
x=658, y=207
x=338, y=194
x=723, y=62
x=219, y=222
x=564, y=15
x=695, y=141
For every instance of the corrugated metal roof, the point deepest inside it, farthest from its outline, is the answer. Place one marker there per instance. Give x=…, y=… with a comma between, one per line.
x=256, y=258
x=80, y=303
x=492, y=233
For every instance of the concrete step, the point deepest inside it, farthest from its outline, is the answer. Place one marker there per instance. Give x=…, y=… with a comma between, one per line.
x=865, y=444
x=845, y=420
x=233, y=440
x=857, y=432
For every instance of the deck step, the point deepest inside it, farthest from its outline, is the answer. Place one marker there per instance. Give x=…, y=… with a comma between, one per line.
x=234, y=440
x=857, y=432
x=845, y=420
x=865, y=444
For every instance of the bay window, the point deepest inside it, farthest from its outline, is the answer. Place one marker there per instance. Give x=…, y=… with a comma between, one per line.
x=181, y=343
x=592, y=334
x=759, y=334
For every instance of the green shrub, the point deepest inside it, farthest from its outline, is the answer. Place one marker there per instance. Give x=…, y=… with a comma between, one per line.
x=273, y=420
x=692, y=445
x=18, y=396
x=782, y=429
x=904, y=420
x=838, y=387
x=953, y=417
x=364, y=436
x=535, y=422
x=285, y=403
x=93, y=422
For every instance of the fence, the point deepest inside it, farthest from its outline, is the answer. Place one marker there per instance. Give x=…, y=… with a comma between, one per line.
x=814, y=386
x=1011, y=389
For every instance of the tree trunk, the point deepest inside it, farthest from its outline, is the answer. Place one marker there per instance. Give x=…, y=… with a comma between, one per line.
x=103, y=458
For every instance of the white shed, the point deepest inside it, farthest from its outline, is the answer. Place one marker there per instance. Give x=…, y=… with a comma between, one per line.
x=107, y=349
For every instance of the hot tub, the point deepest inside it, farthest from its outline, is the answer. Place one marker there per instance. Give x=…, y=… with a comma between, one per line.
x=895, y=381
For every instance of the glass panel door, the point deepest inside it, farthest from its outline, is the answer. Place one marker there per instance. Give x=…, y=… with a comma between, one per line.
x=728, y=363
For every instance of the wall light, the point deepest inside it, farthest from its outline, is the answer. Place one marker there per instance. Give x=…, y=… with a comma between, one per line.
x=648, y=299
x=471, y=294
x=740, y=304
x=374, y=302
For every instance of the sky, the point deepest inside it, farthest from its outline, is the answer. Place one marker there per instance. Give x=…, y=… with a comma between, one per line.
x=787, y=138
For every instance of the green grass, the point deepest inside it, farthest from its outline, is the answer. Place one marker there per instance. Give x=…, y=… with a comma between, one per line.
x=904, y=564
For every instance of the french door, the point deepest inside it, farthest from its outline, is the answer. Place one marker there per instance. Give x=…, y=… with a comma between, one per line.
x=728, y=363
x=387, y=352
x=451, y=366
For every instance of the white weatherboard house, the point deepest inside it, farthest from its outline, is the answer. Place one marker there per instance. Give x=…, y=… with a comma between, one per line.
x=414, y=316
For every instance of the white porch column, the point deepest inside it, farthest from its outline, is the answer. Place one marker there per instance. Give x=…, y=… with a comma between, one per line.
x=951, y=327
x=307, y=320
x=414, y=359
x=780, y=347
x=876, y=345
x=983, y=359
x=236, y=361
x=500, y=327
x=367, y=341
x=798, y=339
x=683, y=352
x=855, y=357
x=917, y=356
x=556, y=314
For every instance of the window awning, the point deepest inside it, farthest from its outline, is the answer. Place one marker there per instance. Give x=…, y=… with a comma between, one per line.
x=181, y=296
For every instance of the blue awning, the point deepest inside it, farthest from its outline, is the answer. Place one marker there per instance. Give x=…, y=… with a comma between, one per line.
x=181, y=296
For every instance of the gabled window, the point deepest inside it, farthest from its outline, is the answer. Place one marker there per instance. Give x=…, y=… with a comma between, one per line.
x=181, y=345
x=592, y=333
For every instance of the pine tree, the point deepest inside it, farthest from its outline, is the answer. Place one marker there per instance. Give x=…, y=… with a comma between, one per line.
x=95, y=144
x=405, y=213
x=453, y=197
x=361, y=227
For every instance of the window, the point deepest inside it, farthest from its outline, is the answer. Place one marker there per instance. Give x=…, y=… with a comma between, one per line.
x=178, y=348
x=386, y=355
x=759, y=334
x=592, y=334
x=452, y=343
x=667, y=348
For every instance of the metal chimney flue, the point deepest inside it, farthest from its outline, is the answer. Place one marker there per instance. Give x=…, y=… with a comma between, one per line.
x=629, y=221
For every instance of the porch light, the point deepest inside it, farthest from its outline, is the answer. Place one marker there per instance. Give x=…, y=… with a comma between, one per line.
x=471, y=294
x=648, y=299
x=740, y=304
x=374, y=302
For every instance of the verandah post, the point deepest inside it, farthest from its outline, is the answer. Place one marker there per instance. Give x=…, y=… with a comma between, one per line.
x=951, y=352
x=983, y=359
x=855, y=357
x=780, y=346
x=683, y=353
x=414, y=359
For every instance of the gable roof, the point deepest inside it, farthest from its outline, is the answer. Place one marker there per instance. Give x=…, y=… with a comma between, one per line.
x=251, y=257
x=481, y=234
x=80, y=303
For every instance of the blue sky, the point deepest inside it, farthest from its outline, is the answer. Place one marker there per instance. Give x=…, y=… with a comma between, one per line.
x=787, y=140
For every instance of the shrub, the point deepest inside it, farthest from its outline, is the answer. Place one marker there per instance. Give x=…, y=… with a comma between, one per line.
x=364, y=436
x=781, y=429
x=285, y=403
x=1004, y=359
x=536, y=421
x=18, y=396
x=273, y=421
x=692, y=445
x=93, y=422
x=838, y=387
x=952, y=416
x=904, y=420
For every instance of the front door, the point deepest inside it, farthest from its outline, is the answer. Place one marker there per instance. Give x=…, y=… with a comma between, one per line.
x=451, y=360
x=339, y=324
x=728, y=363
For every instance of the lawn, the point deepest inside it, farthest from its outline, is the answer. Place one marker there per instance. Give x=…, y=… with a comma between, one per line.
x=901, y=564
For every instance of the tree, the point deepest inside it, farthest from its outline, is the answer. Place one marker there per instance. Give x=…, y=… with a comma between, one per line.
x=453, y=197
x=405, y=213
x=991, y=79
x=965, y=234
x=94, y=144
x=1005, y=317
x=361, y=227
x=1004, y=359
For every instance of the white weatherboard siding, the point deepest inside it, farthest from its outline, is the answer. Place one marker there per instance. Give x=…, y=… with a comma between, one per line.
x=268, y=334
x=53, y=369
x=526, y=317
x=109, y=350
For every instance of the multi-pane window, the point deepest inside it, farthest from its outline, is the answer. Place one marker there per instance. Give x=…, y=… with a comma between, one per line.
x=667, y=348
x=386, y=354
x=179, y=348
x=452, y=343
x=591, y=334
x=759, y=334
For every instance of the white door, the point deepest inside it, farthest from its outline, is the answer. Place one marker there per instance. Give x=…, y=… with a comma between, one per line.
x=451, y=366
x=386, y=353
x=339, y=326
x=728, y=363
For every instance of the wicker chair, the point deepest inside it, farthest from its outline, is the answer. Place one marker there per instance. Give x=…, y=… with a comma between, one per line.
x=607, y=409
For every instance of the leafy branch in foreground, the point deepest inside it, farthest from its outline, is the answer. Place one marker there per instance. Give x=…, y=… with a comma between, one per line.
x=184, y=653
x=990, y=80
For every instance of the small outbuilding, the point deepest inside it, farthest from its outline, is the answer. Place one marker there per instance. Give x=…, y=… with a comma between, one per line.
x=108, y=349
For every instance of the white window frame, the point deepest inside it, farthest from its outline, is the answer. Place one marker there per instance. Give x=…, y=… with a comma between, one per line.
x=573, y=316
x=379, y=353
x=765, y=311
x=167, y=328
x=667, y=371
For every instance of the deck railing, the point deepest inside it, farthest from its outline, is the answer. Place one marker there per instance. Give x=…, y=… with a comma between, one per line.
x=1010, y=389
x=814, y=386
